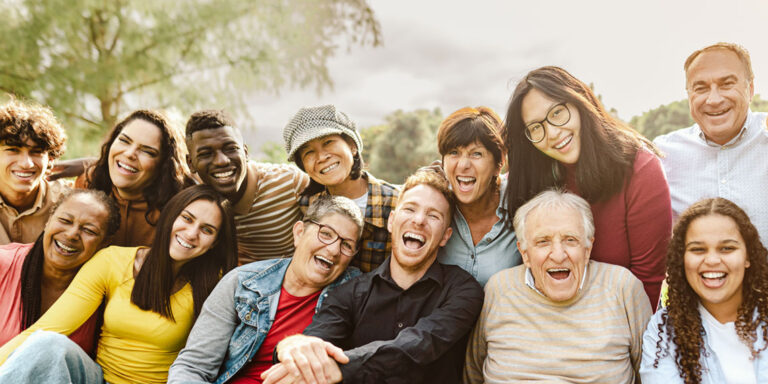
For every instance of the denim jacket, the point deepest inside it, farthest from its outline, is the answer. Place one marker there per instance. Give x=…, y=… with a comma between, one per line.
x=667, y=371
x=256, y=295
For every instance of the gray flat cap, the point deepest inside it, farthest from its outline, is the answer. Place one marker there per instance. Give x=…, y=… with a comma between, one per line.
x=309, y=123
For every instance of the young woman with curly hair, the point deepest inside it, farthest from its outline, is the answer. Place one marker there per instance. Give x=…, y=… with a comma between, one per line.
x=141, y=166
x=715, y=326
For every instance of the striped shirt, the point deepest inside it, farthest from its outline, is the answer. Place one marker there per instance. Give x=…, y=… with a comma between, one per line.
x=595, y=337
x=265, y=214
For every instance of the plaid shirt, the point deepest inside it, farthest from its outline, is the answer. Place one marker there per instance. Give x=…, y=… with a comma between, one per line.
x=375, y=244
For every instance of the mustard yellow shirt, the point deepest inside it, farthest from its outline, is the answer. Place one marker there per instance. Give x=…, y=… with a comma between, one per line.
x=136, y=346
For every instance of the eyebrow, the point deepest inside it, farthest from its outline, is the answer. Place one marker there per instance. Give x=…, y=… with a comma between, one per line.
x=144, y=146
x=718, y=80
x=527, y=123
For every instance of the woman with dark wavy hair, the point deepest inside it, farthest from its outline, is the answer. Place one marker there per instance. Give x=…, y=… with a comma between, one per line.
x=141, y=166
x=715, y=325
x=558, y=134
x=152, y=295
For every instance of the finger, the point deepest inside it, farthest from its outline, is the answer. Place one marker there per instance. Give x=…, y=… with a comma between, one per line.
x=305, y=367
x=274, y=373
x=336, y=353
x=320, y=362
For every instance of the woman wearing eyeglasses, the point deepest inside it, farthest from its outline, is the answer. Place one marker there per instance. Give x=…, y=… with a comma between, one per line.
x=558, y=134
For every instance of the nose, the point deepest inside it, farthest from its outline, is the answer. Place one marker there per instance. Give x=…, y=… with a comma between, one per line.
x=25, y=160
x=419, y=218
x=714, y=96
x=132, y=151
x=464, y=162
x=72, y=232
x=335, y=247
x=558, y=253
x=552, y=131
x=220, y=158
x=712, y=258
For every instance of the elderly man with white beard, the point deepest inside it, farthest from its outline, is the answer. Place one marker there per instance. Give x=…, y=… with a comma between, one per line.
x=560, y=316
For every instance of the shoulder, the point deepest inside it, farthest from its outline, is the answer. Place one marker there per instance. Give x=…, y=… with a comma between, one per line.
x=677, y=136
x=13, y=255
x=456, y=276
x=647, y=167
x=262, y=267
x=384, y=188
x=115, y=256
x=274, y=171
x=614, y=278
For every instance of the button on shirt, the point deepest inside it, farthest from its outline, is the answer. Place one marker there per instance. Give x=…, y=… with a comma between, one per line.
x=497, y=250
x=394, y=335
x=697, y=168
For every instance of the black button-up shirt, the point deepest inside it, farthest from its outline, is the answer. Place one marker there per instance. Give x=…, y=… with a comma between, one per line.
x=391, y=335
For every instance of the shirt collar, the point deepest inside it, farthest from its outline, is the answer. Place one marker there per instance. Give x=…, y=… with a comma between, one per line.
x=434, y=272
x=42, y=189
x=531, y=283
x=734, y=141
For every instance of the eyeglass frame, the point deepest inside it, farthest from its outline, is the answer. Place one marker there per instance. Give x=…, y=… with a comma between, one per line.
x=341, y=247
x=546, y=119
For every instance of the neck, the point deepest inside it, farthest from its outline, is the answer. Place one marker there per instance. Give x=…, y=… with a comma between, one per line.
x=56, y=280
x=297, y=286
x=724, y=312
x=406, y=277
x=235, y=197
x=20, y=201
x=350, y=188
x=129, y=195
x=483, y=207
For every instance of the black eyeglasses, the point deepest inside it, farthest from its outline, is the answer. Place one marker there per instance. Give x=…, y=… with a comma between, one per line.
x=328, y=236
x=557, y=116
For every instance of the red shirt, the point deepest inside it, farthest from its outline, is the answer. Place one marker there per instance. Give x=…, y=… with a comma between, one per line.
x=293, y=315
x=11, y=260
x=634, y=226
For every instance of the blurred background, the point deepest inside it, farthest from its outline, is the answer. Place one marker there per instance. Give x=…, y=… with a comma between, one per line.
x=395, y=67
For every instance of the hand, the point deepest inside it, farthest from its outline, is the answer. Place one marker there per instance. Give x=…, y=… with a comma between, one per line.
x=279, y=374
x=308, y=358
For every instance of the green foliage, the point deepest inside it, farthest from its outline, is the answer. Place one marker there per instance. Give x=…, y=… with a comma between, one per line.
x=93, y=61
x=676, y=115
x=273, y=152
x=407, y=142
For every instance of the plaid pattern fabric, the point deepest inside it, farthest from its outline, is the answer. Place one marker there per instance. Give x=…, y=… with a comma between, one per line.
x=375, y=244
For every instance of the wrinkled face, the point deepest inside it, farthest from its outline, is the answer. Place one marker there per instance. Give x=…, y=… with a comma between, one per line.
x=419, y=226
x=328, y=160
x=134, y=157
x=194, y=231
x=471, y=170
x=557, y=251
x=715, y=261
x=315, y=263
x=74, y=232
x=21, y=168
x=719, y=94
x=219, y=158
x=560, y=143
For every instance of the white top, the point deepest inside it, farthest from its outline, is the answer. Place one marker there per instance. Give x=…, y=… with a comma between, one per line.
x=735, y=359
x=362, y=202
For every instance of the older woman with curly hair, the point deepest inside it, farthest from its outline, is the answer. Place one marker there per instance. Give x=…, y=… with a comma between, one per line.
x=714, y=328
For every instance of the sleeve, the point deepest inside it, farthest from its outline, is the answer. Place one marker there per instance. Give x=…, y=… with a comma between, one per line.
x=638, y=311
x=425, y=342
x=207, y=345
x=649, y=223
x=477, y=348
x=666, y=369
x=333, y=322
x=80, y=300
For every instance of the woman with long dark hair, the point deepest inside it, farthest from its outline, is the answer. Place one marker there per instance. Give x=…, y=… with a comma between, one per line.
x=141, y=166
x=714, y=328
x=558, y=134
x=152, y=295
x=33, y=276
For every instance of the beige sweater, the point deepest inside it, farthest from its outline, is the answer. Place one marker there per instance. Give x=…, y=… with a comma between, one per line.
x=593, y=338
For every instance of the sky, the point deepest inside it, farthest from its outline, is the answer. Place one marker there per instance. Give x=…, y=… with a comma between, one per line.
x=451, y=54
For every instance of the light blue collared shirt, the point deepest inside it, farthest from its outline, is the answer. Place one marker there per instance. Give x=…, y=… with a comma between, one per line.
x=697, y=168
x=497, y=250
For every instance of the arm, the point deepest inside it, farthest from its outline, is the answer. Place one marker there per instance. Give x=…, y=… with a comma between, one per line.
x=70, y=168
x=426, y=341
x=649, y=223
x=207, y=345
x=666, y=370
x=638, y=311
x=477, y=350
x=75, y=305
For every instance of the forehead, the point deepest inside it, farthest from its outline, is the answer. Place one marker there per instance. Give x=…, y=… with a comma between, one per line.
x=715, y=64
x=535, y=105
x=342, y=224
x=20, y=142
x=547, y=221
x=205, y=211
x=319, y=141
x=85, y=207
x=143, y=132
x=216, y=137
x=713, y=227
x=425, y=196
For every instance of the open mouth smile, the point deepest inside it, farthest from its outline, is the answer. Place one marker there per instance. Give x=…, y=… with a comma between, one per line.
x=564, y=142
x=413, y=241
x=224, y=174
x=713, y=279
x=329, y=168
x=559, y=273
x=183, y=243
x=324, y=263
x=23, y=174
x=64, y=249
x=126, y=167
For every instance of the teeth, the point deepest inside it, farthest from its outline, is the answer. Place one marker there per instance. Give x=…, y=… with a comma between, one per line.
x=126, y=167
x=564, y=142
x=713, y=275
x=324, y=262
x=24, y=174
x=329, y=168
x=414, y=236
x=465, y=179
x=558, y=270
x=716, y=113
x=221, y=175
x=183, y=243
x=64, y=247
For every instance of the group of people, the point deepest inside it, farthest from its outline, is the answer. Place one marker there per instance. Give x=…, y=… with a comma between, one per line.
x=535, y=249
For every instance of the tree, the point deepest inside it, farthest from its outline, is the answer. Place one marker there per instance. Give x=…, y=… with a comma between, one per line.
x=408, y=141
x=92, y=60
x=676, y=115
x=273, y=152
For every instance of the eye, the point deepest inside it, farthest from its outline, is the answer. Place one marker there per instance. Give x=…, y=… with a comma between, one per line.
x=434, y=216
x=37, y=152
x=697, y=249
x=326, y=234
x=727, y=248
x=572, y=241
x=542, y=242
x=186, y=218
x=307, y=153
x=123, y=140
x=699, y=89
x=64, y=220
x=348, y=247
x=203, y=154
x=231, y=149
x=328, y=141
x=150, y=152
x=208, y=230
x=477, y=154
x=12, y=149
x=453, y=152
x=408, y=209
x=90, y=232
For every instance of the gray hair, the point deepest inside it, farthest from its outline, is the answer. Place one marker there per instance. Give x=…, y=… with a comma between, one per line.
x=325, y=205
x=554, y=198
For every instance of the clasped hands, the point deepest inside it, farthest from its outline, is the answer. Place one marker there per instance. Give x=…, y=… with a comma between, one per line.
x=306, y=359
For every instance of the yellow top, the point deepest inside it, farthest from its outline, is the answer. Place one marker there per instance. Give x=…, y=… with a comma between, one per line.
x=136, y=346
